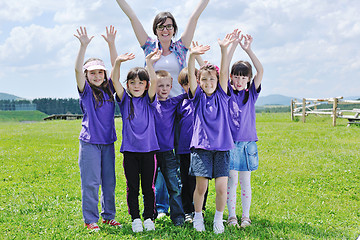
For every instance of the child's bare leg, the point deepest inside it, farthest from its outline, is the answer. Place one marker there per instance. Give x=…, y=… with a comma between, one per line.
x=200, y=189
x=221, y=194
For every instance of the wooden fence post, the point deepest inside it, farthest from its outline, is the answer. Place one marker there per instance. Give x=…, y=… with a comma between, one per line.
x=334, y=110
x=292, y=109
x=303, y=109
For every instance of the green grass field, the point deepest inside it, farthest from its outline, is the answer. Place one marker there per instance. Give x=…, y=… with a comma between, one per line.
x=307, y=185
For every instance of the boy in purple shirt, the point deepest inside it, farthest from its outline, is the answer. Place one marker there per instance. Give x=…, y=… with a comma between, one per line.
x=212, y=138
x=165, y=131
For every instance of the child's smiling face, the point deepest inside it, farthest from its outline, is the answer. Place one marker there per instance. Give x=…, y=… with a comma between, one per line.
x=164, y=85
x=208, y=82
x=136, y=87
x=239, y=82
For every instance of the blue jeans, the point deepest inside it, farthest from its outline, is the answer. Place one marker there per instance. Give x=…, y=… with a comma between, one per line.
x=161, y=193
x=169, y=167
x=97, y=167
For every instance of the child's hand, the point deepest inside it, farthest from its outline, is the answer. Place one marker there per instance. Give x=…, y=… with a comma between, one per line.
x=110, y=35
x=83, y=37
x=125, y=57
x=247, y=42
x=153, y=57
x=229, y=38
x=199, y=49
x=236, y=34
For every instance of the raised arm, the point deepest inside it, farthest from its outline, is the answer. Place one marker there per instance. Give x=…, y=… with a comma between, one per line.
x=110, y=39
x=84, y=42
x=115, y=73
x=138, y=28
x=189, y=31
x=257, y=64
x=224, y=66
x=152, y=58
x=195, y=51
x=198, y=58
x=233, y=45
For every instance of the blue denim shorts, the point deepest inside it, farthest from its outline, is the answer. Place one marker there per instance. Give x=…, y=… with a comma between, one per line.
x=209, y=164
x=244, y=157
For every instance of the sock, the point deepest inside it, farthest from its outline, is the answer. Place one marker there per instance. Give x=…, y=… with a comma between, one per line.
x=198, y=215
x=231, y=192
x=244, y=179
x=218, y=216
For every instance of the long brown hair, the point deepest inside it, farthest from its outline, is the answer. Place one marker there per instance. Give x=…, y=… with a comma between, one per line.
x=143, y=75
x=98, y=91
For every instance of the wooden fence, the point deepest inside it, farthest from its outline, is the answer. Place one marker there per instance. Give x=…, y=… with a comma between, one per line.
x=309, y=106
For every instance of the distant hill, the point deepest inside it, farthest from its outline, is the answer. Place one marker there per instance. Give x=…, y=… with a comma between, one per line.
x=274, y=99
x=6, y=96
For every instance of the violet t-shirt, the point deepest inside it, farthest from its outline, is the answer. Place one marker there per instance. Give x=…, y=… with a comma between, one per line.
x=164, y=122
x=138, y=134
x=97, y=126
x=243, y=116
x=185, y=113
x=211, y=121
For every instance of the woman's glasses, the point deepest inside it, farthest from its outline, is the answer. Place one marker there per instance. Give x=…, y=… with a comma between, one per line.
x=162, y=27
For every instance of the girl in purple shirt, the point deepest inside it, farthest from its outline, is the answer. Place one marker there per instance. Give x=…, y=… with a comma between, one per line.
x=244, y=157
x=97, y=136
x=139, y=142
x=211, y=140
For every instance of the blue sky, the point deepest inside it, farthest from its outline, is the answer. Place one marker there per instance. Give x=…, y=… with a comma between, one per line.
x=308, y=48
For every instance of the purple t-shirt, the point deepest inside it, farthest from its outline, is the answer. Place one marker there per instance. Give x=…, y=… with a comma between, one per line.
x=243, y=116
x=185, y=113
x=211, y=121
x=164, y=122
x=138, y=134
x=97, y=126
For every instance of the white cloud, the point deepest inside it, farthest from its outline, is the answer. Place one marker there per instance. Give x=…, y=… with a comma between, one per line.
x=308, y=48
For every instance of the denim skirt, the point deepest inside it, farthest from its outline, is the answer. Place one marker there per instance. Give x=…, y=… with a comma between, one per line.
x=244, y=156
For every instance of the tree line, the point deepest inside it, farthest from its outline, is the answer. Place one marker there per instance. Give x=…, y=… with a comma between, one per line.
x=50, y=105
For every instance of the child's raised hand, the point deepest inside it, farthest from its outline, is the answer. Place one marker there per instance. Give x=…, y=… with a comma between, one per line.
x=236, y=34
x=125, y=57
x=82, y=36
x=199, y=49
x=247, y=42
x=110, y=34
x=229, y=38
x=154, y=56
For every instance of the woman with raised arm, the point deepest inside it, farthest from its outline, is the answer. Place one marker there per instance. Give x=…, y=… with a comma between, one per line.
x=173, y=57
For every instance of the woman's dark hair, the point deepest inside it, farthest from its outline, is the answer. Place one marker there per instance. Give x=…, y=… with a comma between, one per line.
x=143, y=75
x=98, y=91
x=243, y=68
x=160, y=18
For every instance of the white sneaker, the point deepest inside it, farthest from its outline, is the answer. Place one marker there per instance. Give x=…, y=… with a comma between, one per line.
x=218, y=226
x=149, y=225
x=199, y=224
x=137, y=225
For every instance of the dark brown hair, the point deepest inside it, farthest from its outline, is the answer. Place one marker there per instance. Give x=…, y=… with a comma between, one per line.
x=161, y=17
x=143, y=75
x=243, y=68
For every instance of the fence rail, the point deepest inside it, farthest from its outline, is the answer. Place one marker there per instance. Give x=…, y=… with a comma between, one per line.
x=309, y=106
